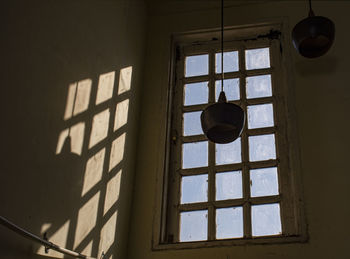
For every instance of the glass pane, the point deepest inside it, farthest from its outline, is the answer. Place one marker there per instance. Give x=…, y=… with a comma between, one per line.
x=196, y=65
x=195, y=154
x=257, y=58
x=228, y=153
x=229, y=223
x=196, y=93
x=266, y=220
x=263, y=182
x=229, y=185
x=194, y=188
x=230, y=62
x=260, y=116
x=193, y=225
x=262, y=147
x=231, y=88
x=258, y=86
x=192, y=123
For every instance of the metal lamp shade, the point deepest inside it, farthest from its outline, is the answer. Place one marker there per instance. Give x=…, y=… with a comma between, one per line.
x=313, y=36
x=222, y=122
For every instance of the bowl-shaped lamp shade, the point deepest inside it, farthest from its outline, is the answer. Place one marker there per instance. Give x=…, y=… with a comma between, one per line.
x=222, y=122
x=313, y=36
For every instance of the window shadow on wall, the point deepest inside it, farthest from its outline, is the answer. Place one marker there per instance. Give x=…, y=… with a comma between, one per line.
x=82, y=199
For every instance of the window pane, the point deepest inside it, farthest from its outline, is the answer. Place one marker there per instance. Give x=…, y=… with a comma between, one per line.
x=260, y=116
x=231, y=88
x=263, y=182
x=229, y=223
x=194, y=225
x=192, y=123
x=230, y=62
x=266, y=220
x=262, y=147
x=258, y=86
x=194, y=188
x=196, y=65
x=257, y=58
x=228, y=153
x=195, y=154
x=196, y=93
x=229, y=185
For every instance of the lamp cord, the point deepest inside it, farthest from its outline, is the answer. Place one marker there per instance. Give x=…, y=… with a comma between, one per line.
x=311, y=12
x=222, y=45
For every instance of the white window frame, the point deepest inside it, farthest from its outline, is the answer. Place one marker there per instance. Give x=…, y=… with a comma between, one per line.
x=166, y=229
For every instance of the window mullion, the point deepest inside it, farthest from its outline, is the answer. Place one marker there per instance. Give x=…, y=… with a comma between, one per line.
x=244, y=143
x=211, y=76
x=211, y=158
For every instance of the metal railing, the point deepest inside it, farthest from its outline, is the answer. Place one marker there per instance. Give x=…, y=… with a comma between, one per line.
x=48, y=245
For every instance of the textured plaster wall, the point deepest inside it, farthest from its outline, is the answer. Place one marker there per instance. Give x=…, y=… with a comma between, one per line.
x=322, y=101
x=81, y=196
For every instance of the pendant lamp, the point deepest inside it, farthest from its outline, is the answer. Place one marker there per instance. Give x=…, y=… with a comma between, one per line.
x=313, y=36
x=222, y=122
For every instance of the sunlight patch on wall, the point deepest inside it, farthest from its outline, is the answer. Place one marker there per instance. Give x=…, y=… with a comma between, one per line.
x=45, y=227
x=70, y=101
x=78, y=98
x=121, y=114
x=86, y=219
x=105, y=87
x=103, y=169
x=82, y=96
x=58, y=238
x=99, y=127
x=61, y=138
x=93, y=171
x=112, y=191
x=88, y=249
x=77, y=137
x=117, y=151
x=125, y=80
x=107, y=236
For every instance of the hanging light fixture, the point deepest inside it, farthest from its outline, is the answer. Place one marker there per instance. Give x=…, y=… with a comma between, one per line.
x=222, y=122
x=313, y=36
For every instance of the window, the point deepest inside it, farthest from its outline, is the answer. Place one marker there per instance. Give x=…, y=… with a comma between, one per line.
x=244, y=191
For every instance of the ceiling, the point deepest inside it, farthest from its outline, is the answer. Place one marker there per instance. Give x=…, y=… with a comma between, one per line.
x=174, y=6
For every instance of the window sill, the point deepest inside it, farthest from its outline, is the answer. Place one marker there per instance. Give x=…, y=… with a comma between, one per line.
x=232, y=242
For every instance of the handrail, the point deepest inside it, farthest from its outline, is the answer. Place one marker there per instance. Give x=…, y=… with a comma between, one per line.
x=47, y=244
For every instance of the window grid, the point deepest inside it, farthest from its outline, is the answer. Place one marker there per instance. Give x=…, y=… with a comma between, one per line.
x=212, y=169
x=286, y=162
